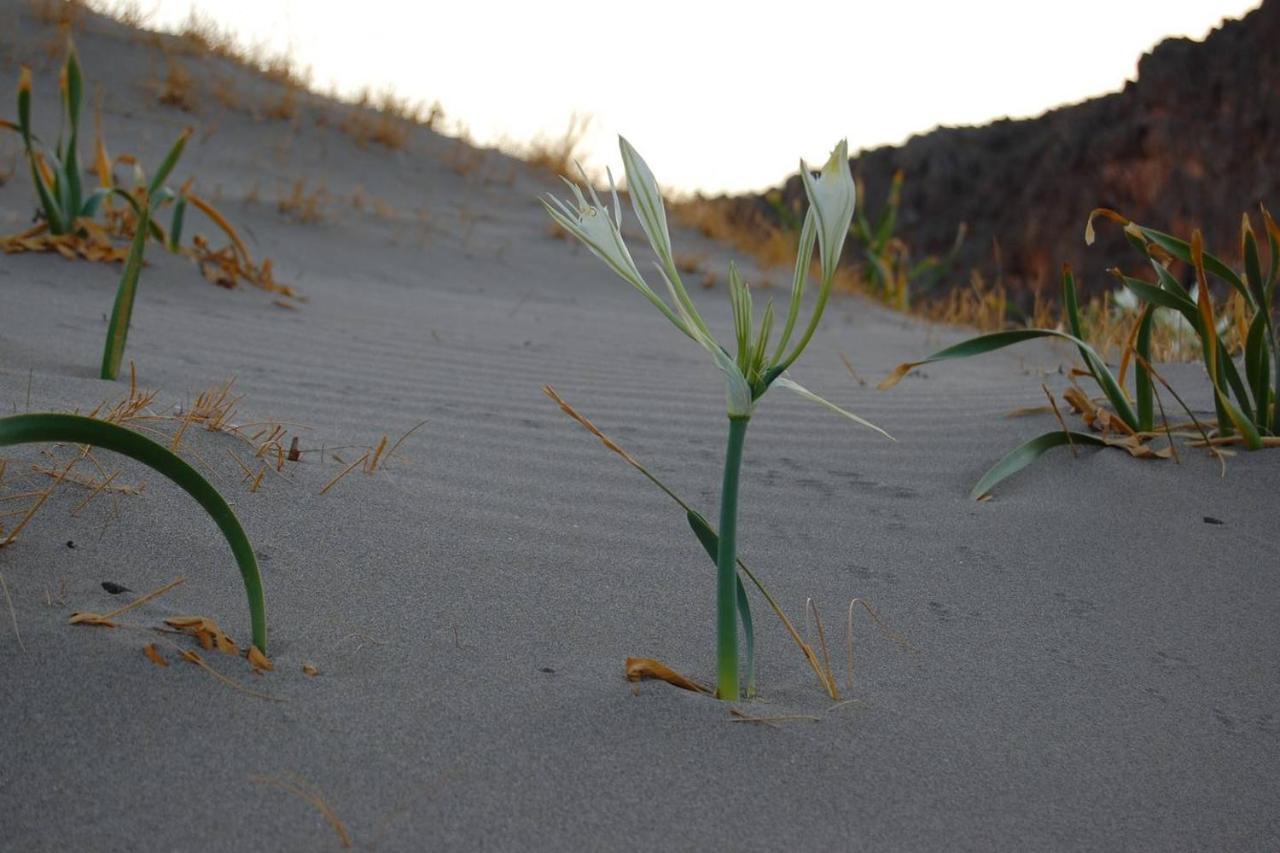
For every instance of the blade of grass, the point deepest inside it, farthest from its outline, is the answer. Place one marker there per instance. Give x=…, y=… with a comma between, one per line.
x=122, y=310
x=1026, y=453
x=43, y=428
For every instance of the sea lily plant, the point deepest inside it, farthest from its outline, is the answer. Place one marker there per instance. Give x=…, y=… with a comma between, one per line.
x=757, y=362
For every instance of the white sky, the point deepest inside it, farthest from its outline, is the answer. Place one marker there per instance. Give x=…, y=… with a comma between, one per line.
x=718, y=95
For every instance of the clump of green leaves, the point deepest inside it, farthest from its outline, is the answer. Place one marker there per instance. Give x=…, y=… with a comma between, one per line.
x=56, y=172
x=42, y=428
x=888, y=267
x=67, y=211
x=756, y=363
x=1245, y=402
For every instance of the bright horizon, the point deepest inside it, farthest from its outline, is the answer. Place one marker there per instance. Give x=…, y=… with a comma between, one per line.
x=716, y=101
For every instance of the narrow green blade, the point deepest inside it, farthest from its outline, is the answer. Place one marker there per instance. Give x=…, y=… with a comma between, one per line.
x=1181, y=250
x=122, y=311
x=1257, y=366
x=1142, y=389
x=169, y=162
x=1024, y=454
x=999, y=340
x=41, y=428
x=70, y=179
x=1253, y=265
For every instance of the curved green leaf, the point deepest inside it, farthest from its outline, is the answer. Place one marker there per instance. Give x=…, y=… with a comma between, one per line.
x=1181, y=250
x=1257, y=366
x=1142, y=388
x=40, y=428
x=999, y=340
x=1024, y=454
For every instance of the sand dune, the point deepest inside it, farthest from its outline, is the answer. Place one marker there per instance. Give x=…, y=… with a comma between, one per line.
x=1095, y=665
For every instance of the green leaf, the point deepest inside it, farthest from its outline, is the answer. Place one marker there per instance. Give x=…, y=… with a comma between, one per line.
x=1253, y=264
x=1164, y=298
x=70, y=179
x=122, y=310
x=1143, y=391
x=1273, y=246
x=1181, y=250
x=1257, y=365
x=1226, y=368
x=1242, y=423
x=1024, y=454
x=52, y=212
x=999, y=340
x=40, y=428
x=175, y=225
x=169, y=162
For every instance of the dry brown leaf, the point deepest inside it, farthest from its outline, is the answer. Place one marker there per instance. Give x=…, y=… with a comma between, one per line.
x=153, y=655
x=310, y=669
x=206, y=632
x=259, y=661
x=90, y=619
x=639, y=669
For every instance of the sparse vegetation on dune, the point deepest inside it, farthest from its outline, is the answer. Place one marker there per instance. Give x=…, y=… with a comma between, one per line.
x=68, y=210
x=1244, y=395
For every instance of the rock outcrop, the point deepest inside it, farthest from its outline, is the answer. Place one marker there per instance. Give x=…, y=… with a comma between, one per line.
x=1191, y=144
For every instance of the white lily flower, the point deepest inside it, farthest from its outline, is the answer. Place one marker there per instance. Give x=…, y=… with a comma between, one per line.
x=591, y=222
x=646, y=200
x=832, y=196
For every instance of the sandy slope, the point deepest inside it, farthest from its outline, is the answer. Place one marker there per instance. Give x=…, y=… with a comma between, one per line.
x=1096, y=669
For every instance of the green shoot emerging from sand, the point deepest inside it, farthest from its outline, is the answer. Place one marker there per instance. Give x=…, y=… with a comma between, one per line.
x=1246, y=405
x=57, y=175
x=892, y=276
x=66, y=215
x=756, y=366
x=26, y=429
x=122, y=310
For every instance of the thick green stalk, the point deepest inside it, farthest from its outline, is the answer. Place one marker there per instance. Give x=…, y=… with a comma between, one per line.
x=726, y=567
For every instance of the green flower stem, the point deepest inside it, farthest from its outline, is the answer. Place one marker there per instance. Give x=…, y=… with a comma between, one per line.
x=726, y=567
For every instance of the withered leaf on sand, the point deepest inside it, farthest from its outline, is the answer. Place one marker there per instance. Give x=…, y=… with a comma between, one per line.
x=153, y=655
x=259, y=661
x=639, y=669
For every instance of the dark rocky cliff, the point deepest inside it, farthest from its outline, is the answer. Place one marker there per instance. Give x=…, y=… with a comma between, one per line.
x=1192, y=143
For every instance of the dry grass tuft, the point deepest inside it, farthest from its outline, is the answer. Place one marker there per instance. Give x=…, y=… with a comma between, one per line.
x=303, y=206
x=387, y=120
x=557, y=154
x=213, y=410
x=64, y=14
x=313, y=796
x=770, y=246
x=373, y=457
x=177, y=88
x=283, y=108
x=463, y=158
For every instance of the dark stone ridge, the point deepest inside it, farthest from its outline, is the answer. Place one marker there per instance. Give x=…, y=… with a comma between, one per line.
x=1191, y=144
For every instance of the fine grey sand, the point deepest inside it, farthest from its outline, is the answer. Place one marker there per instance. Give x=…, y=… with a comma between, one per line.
x=1095, y=668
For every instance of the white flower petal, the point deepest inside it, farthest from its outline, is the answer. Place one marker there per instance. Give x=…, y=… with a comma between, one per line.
x=832, y=196
x=796, y=387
